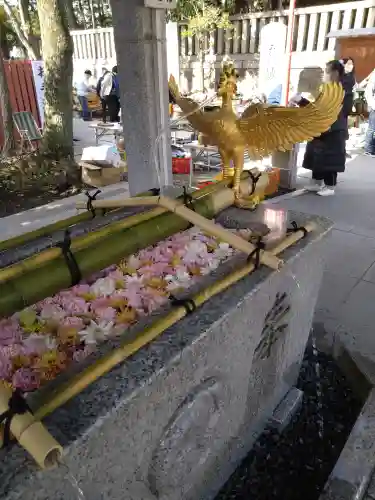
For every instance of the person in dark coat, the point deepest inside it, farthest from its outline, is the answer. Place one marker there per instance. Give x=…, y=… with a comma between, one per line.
x=325, y=155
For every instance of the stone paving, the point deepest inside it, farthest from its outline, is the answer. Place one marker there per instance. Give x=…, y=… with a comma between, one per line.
x=346, y=304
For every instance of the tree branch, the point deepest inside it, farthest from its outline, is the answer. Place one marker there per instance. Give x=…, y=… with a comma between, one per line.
x=6, y=111
x=18, y=29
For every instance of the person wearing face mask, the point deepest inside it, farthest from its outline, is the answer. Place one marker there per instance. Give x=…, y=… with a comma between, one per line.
x=110, y=95
x=349, y=78
x=325, y=155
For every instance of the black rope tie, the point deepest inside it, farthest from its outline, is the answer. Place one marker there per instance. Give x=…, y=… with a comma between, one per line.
x=188, y=304
x=70, y=260
x=295, y=227
x=255, y=254
x=16, y=406
x=188, y=199
x=90, y=199
x=255, y=179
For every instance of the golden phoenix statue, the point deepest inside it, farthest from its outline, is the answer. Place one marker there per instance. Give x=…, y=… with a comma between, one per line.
x=262, y=129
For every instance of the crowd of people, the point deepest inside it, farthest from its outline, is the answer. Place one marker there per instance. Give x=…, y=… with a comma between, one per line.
x=108, y=91
x=325, y=155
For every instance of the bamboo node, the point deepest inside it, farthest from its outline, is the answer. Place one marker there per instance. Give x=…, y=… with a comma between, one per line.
x=17, y=405
x=20, y=423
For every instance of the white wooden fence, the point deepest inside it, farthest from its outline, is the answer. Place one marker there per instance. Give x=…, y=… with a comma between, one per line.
x=241, y=43
x=311, y=26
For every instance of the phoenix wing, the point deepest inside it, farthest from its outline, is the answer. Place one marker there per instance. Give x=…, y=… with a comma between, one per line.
x=199, y=119
x=272, y=128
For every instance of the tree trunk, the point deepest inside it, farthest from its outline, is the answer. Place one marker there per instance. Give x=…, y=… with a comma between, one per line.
x=33, y=40
x=101, y=15
x=241, y=6
x=82, y=14
x=17, y=28
x=6, y=111
x=71, y=16
x=57, y=48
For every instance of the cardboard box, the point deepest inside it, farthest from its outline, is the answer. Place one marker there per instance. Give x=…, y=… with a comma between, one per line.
x=105, y=155
x=99, y=176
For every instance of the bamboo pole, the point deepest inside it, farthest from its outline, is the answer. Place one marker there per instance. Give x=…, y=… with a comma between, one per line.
x=198, y=220
x=28, y=283
x=81, y=242
x=31, y=434
x=22, y=239
x=130, y=346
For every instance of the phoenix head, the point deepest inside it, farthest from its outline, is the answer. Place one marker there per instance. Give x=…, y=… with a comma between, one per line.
x=228, y=80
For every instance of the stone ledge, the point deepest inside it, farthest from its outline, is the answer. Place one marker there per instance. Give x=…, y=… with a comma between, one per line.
x=353, y=471
x=35, y=218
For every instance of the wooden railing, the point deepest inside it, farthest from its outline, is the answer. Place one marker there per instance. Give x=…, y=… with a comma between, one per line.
x=94, y=44
x=311, y=26
x=310, y=29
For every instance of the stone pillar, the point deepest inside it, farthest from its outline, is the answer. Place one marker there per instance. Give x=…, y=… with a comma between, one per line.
x=271, y=54
x=173, y=55
x=140, y=40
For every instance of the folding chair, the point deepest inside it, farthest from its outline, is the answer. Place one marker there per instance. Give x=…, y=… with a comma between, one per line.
x=28, y=129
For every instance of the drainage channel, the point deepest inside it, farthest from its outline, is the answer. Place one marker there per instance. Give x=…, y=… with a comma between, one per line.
x=297, y=462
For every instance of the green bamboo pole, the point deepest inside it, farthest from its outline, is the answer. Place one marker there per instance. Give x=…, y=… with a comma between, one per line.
x=81, y=242
x=33, y=283
x=36, y=284
x=22, y=239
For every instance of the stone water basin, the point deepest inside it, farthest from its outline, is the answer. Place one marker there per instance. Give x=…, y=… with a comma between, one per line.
x=174, y=420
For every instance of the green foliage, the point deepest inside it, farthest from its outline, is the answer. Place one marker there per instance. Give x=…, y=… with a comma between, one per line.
x=8, y=38
x=88, y=11
x=204, y=18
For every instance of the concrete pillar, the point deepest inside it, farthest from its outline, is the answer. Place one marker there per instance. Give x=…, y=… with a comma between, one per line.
x=140, y=40
x=173, y=56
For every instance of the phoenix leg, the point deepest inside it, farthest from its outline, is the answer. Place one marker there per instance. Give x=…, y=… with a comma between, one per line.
x=228, y=171
x=247, y=202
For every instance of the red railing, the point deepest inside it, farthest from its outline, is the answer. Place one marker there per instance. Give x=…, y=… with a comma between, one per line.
x=22, y=94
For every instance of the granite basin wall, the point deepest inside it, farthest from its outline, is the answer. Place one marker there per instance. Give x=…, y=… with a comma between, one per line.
x=173, y=422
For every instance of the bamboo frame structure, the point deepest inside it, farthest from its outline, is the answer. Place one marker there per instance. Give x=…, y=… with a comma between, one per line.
x=198, y=220
x=31, y=434
x=22, y=239
x=130, y=346
x=18, y=281
x=82, y=242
